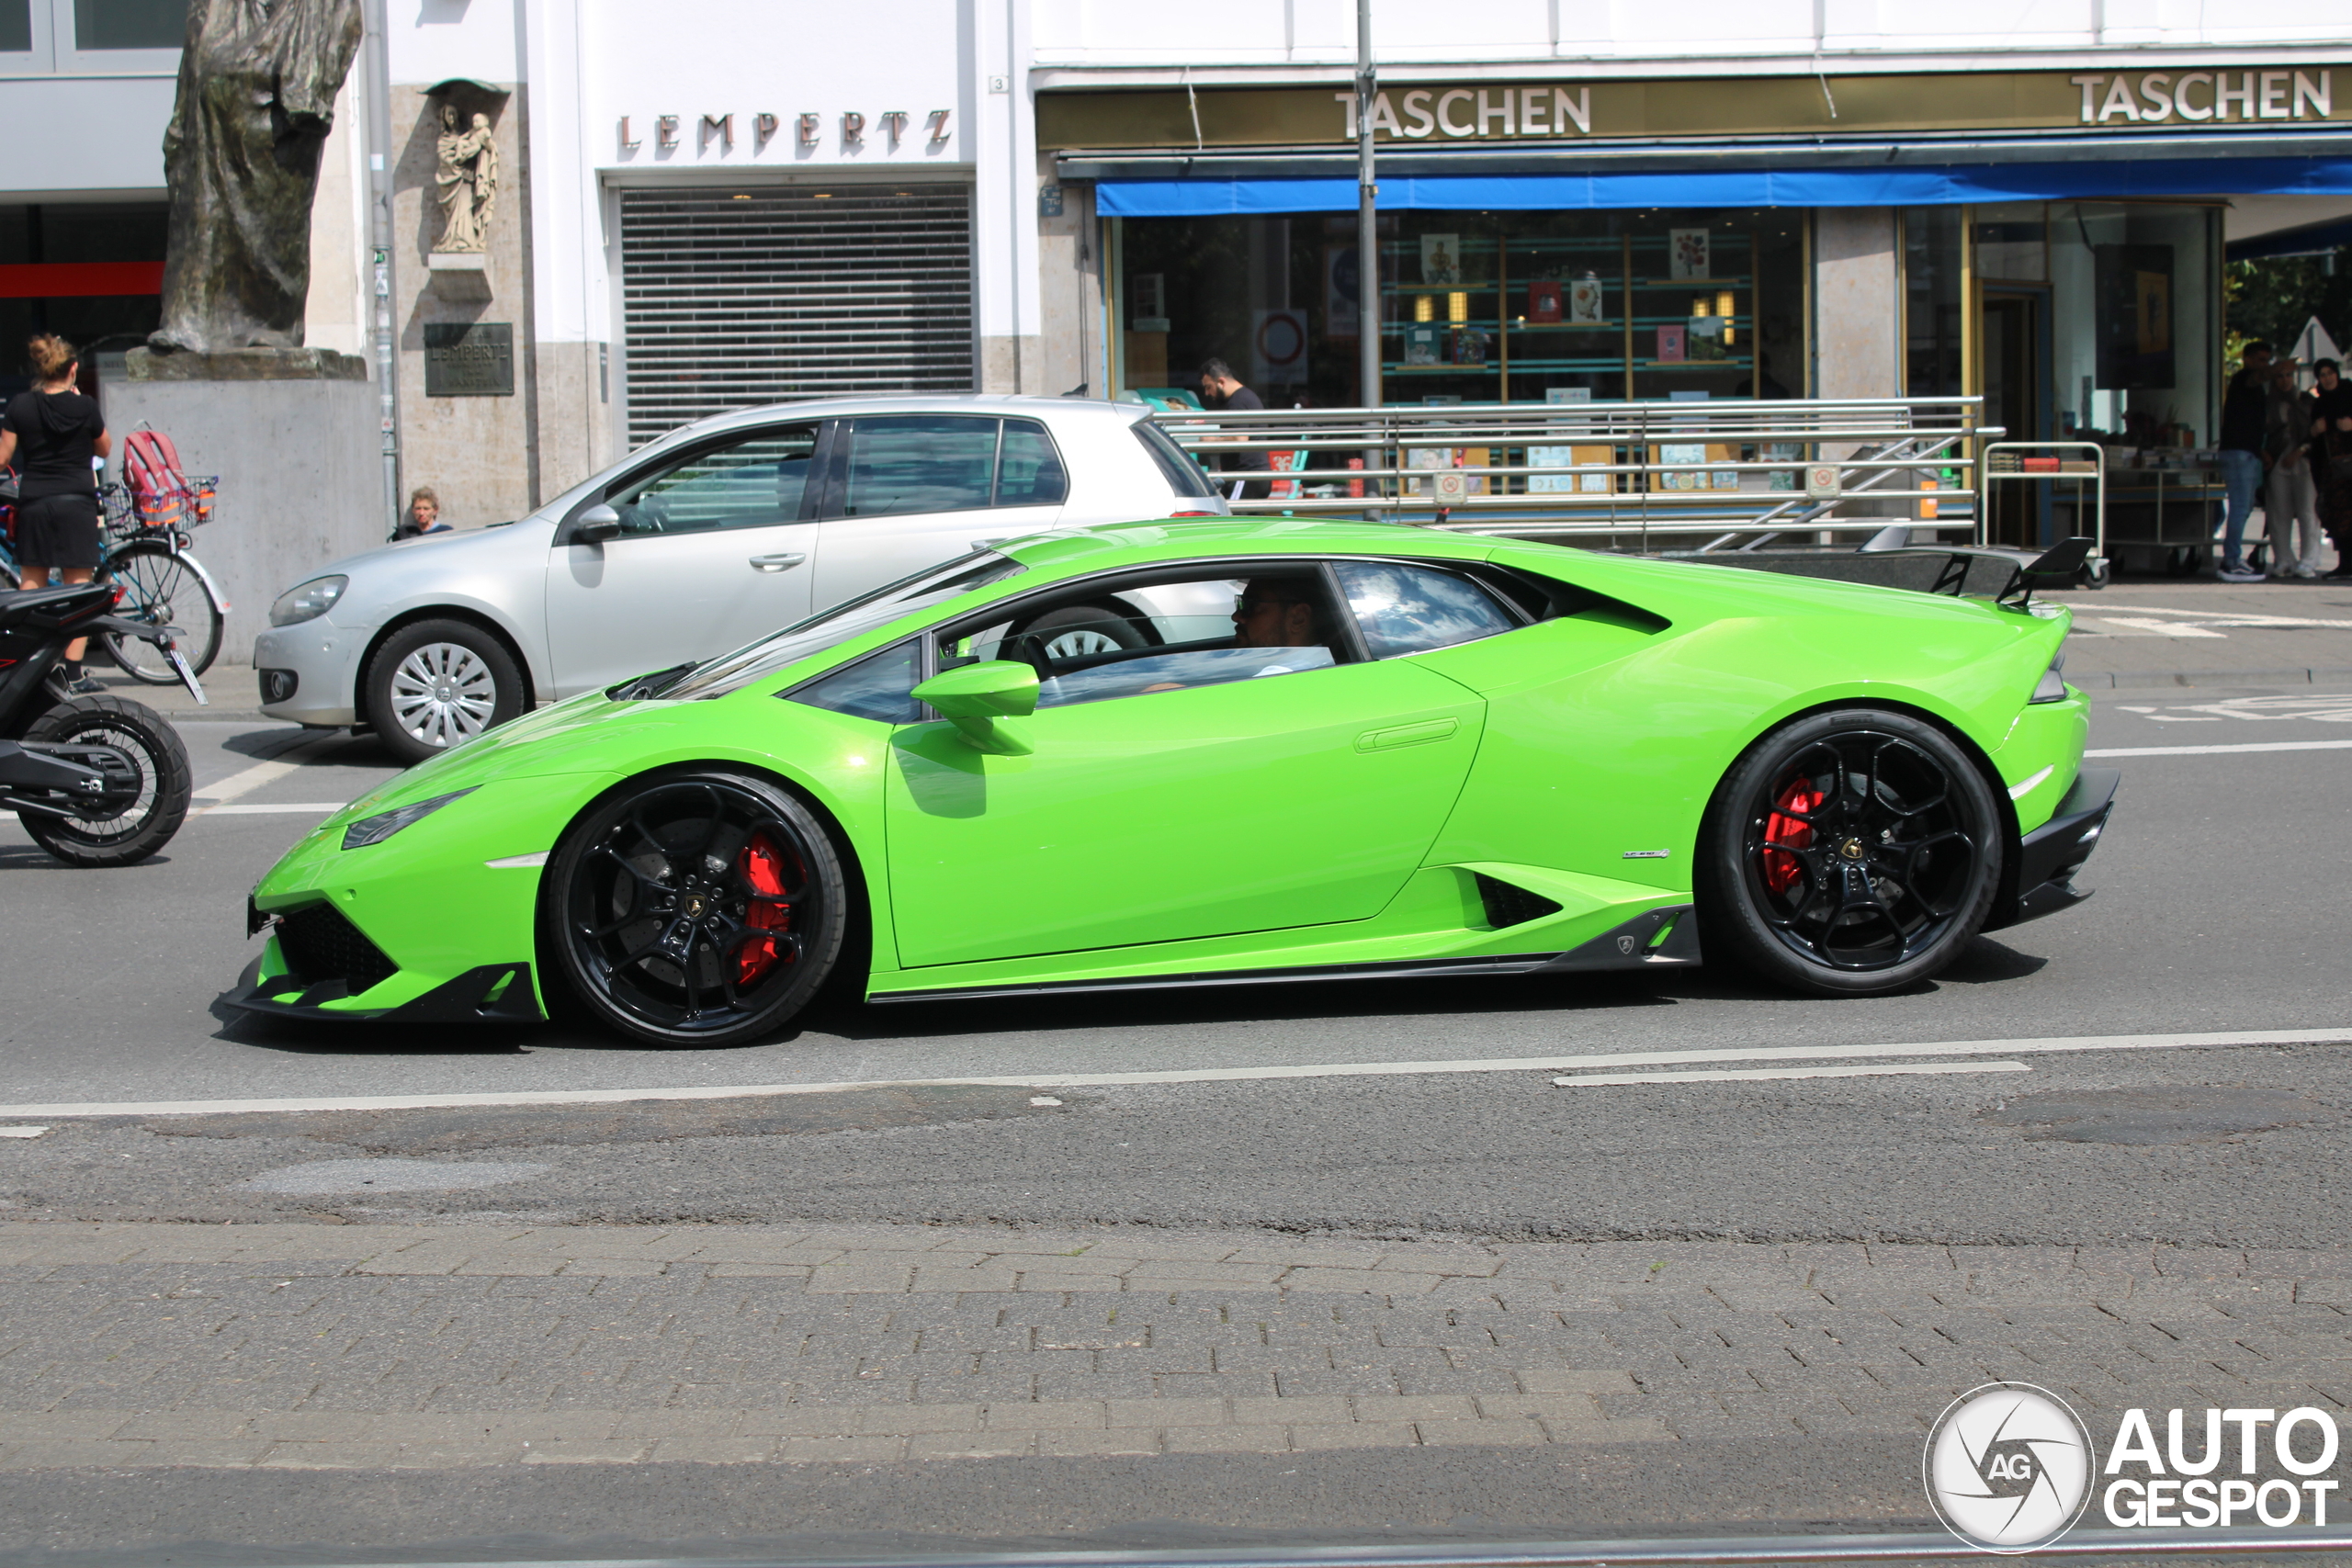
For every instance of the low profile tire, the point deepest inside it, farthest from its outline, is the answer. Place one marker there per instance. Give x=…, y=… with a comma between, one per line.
x=1074, y=631
x=132, y=829
x=437, y=684
x=1853, y=852
x=703, y=909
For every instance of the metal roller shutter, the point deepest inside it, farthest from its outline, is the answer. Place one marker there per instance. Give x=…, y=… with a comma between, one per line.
x=738, y=297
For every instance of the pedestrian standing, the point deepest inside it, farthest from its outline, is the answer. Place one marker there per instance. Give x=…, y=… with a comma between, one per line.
x=2331, y=459
x=2245, y=408
x=2292, y=499
x=423, y=515
x=1220, y=389
x=54, y=433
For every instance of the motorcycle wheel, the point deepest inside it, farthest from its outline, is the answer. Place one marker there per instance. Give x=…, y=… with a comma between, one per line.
x=148, y=820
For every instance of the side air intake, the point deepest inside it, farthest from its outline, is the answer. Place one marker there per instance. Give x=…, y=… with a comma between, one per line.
x=1510, y=905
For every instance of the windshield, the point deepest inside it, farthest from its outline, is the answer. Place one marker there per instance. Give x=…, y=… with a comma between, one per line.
x=830, y=628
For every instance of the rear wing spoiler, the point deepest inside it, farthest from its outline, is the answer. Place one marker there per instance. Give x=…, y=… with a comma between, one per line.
x=2055, y=568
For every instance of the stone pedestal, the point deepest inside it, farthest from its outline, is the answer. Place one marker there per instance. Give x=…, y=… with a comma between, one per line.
x=294, y=434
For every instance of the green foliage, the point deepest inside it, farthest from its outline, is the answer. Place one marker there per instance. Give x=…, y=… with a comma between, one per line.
x=2272, y=298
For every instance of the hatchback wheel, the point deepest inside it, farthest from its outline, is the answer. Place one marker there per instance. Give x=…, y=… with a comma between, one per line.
x=697, y=909
x=1851, y=853
x=437, y=684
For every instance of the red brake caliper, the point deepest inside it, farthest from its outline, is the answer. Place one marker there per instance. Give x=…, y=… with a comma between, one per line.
x=1781, y=869
x=763, y=867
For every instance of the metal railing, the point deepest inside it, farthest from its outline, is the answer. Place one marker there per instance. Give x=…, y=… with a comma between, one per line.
x=1737, y=469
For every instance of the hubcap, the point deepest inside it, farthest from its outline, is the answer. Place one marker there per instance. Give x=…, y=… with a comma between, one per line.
x=1860, y=850
x=687, y=908
x=443, y=695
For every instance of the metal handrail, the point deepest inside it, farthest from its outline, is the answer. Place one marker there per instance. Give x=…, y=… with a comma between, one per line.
x=1868, y=442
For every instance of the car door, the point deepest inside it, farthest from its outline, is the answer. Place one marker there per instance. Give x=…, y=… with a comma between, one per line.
x=911, y=490
x=1195, y=788
x=716, y=548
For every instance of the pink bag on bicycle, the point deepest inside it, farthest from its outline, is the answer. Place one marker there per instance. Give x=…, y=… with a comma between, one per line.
x=161, y=493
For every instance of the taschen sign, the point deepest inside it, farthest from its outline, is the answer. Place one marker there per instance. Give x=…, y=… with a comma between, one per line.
x=2253, y=97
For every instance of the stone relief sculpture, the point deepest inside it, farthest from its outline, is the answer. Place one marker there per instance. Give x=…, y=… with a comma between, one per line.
x=257, y=84
x=467, y=176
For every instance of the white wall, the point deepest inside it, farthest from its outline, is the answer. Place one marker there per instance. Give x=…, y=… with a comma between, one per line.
x=1120, y=33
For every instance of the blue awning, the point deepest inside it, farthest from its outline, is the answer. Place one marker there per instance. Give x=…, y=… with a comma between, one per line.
x=1910, y=186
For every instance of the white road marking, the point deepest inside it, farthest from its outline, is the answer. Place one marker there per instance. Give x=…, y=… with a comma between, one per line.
x=316, y=806
x=214, y=797
x=22, y=1132
x=2339, y=1035
x=2221, y=751
x=2146, y=626
x=1885, y=1070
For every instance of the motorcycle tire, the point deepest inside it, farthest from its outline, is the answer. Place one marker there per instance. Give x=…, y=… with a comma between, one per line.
x=154, y=749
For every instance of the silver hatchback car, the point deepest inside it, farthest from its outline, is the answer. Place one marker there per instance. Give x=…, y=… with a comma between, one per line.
x=700, y=542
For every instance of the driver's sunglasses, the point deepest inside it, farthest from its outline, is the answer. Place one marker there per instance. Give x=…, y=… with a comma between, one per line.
x=1251, y=606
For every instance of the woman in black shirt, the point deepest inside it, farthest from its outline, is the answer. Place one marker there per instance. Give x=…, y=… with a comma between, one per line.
x=53, y=433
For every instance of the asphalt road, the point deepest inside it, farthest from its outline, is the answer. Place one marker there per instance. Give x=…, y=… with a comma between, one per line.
x=2222, y=904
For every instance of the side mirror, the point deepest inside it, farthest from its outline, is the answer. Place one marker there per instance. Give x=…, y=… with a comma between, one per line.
x=595, y=525
x=977, y=696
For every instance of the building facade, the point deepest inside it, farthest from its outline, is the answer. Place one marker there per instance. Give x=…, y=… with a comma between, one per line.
x=580, y=222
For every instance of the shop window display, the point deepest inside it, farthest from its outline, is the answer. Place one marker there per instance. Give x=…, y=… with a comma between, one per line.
x=1476, y=307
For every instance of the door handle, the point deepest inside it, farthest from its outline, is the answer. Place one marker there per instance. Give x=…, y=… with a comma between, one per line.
x=1407, y=735
x=775, y=563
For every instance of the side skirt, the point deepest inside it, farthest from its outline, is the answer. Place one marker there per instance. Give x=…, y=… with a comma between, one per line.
x=1633, y=945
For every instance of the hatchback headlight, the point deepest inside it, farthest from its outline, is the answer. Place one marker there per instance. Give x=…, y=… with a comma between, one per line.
x=384, y=824
x=307, y=601
x=2051, y=688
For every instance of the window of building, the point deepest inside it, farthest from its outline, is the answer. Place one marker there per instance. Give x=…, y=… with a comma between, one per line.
x=1476, y=307
x=1935, y=295
x=16, y=27
x=130, y=24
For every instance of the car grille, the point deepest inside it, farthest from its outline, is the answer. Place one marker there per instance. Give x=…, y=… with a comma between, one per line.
x=1510, y=905
x=320, y=944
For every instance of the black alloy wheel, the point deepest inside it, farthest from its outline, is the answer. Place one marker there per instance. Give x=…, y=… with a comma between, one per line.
x=1851, y=853
x=704, y=909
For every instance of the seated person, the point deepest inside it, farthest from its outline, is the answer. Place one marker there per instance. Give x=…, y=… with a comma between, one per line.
x=1275, y=612
x=1279, y=611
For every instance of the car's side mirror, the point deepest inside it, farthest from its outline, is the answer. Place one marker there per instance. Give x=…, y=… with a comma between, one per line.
x=595, y=525
x=978, y=697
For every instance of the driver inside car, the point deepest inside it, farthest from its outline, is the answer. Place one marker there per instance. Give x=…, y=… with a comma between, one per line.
x=1272, y=612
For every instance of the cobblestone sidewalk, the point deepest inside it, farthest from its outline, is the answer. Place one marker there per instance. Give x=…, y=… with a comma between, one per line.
x=387, y=1346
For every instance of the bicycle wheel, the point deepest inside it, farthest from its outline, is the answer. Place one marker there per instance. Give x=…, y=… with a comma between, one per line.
x=162, y=588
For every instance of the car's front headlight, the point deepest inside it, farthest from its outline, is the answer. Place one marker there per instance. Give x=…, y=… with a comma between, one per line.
x=2051, y=688
x=307, y=601
x=384, y=824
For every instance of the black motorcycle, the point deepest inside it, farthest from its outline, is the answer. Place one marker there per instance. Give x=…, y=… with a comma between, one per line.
x=96, y=780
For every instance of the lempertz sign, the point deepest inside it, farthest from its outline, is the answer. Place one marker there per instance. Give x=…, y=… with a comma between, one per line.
x=1442, y=112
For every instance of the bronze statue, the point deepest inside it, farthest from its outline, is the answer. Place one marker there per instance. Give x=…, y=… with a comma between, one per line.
x=467, y=176
x=256, y=98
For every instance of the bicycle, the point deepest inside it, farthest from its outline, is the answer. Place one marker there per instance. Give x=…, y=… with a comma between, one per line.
x=163, y=583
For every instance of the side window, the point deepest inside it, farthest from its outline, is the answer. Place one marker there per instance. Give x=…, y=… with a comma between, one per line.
x=1410, y=609
x=755, y=483
x=1092, y=645
x=1029, y=469
x=907, y=463
x=875, y=687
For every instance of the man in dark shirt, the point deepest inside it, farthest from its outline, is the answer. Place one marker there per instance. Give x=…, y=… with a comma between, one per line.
x=1220, y=389
x=2245, y=413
